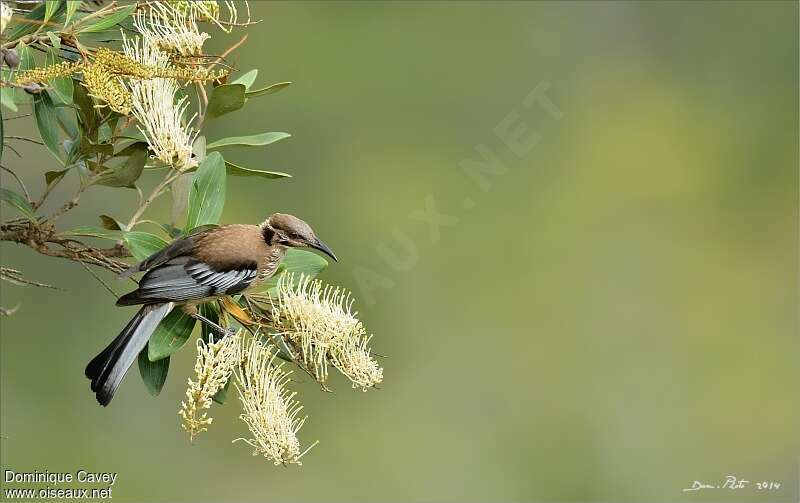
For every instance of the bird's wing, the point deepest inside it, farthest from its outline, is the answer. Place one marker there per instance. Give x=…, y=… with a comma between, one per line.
x=184, y=278
x=173, y=250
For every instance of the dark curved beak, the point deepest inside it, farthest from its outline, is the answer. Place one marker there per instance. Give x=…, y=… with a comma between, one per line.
x=319, y=245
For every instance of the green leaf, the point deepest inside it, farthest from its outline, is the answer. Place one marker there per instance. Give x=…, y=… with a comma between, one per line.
x=297, y=262
x=88, y=117
x=225, y=99
x=50, y=8
x=55, y=40
x=17, y=201
x=94, y=232
x=255, y=140
x=54, y=176
x=207, y=195
x=2, y=138
x=247, y=78
x=284, y=351
x=72, y=7
x=170, y=335
x=61, y=85
x=89, y=148
x=222, y=394
x=210, y=310
x=7, y=99
x=110, y=223
x=129, y=172
x=26, y=61
x=25, y=26
x=236, y=170
x=47, y=121
x=67, y=121
x=143, y=244
x=154, y=373
x=274, y=88
x=109, y=21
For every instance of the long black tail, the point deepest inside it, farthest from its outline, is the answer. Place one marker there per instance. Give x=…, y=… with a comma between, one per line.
x=108, y=368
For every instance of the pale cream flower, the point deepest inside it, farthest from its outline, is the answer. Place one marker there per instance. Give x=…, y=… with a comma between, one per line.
x=270, y=410
x=212, y=369
x=160, y=116
x=171, y=27
x=319, y=323
x=5, y=16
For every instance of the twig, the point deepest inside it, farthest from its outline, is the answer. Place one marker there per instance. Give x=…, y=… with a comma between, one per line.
x=15, y=277
x=18, y=179
x=17, y=117
x=12, y=149
x=231, y=49
x=74, y=201
x=39, y=238
x=98, y=278
x=32, y=140
x=157, y=191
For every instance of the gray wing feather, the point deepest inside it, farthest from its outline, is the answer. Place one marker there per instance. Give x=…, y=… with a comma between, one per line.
x=183, y=278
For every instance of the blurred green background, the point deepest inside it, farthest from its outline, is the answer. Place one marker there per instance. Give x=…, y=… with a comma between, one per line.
x=614, y=318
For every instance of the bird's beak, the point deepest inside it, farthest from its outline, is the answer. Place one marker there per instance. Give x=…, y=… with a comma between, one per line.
x=319, y=245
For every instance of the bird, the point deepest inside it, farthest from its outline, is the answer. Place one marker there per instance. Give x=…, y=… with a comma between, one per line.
x=197, y=268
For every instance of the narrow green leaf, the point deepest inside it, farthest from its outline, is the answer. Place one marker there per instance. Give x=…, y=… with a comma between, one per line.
x=72, y=8
x=26, y=61
x=66, y=120
x=94, y=232
x=247, y=78
x=55, y=40
x=225, y=99
x=17, y=201
x=61, y=85
x=129, y=172
x=50, y=8
x=254, y=140
x=207, y=195
x=170, y=335
x=47, y=121
x=154, y=373
x=20, y=29
x=88, y=117
x=109, y=21
x=297, y=262
x=143, y=244
x=274, y=88
x=7, y=99
x=2, y=138
x=236, y=170
x=210, y=310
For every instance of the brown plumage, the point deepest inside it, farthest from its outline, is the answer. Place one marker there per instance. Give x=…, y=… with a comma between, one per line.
x=191, y=270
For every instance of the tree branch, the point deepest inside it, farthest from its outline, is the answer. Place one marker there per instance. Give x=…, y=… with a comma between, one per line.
x=46, y=241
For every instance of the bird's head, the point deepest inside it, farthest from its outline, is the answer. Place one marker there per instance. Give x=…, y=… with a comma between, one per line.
x=281, y=229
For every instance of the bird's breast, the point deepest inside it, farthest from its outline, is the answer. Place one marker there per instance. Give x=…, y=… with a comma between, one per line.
x=270, y=262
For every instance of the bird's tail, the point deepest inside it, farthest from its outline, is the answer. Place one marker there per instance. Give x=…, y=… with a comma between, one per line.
x=107, y=369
